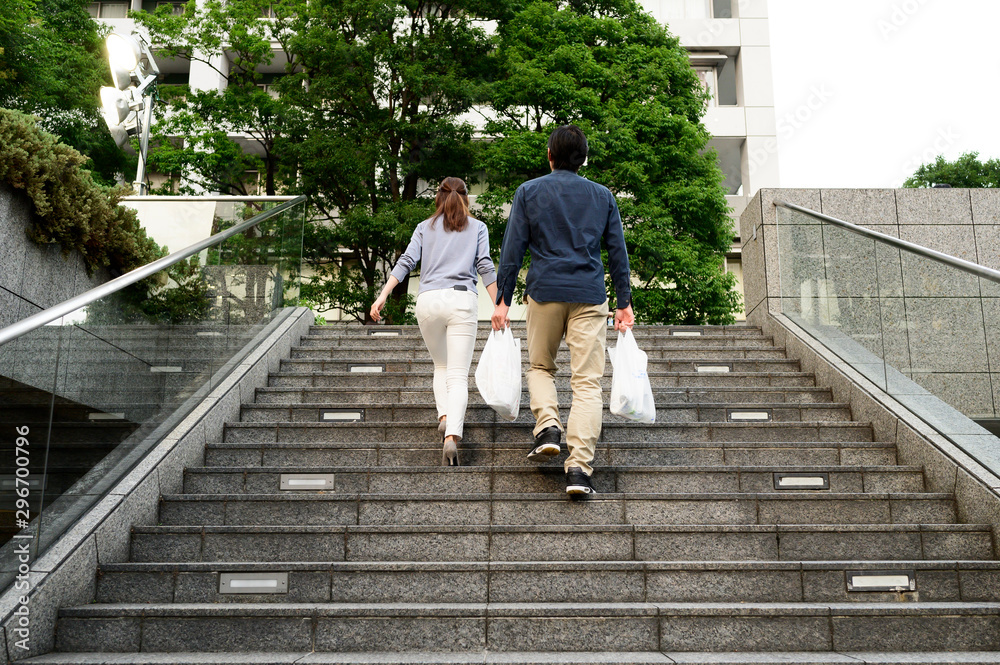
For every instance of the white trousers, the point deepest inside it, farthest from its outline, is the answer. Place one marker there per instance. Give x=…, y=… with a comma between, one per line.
x=448, y=320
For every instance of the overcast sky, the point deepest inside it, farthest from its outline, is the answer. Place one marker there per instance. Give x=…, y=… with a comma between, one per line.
x=867, y=90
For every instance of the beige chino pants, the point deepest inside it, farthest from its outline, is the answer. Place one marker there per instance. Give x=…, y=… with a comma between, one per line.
x=584, y=327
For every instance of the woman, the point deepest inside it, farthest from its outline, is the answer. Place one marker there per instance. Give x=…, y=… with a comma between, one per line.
x=451, y=247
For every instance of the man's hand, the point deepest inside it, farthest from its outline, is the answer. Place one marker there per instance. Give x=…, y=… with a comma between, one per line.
x=500, y=319
x=624, y=319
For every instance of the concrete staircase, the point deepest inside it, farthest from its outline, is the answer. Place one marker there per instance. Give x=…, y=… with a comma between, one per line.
x=755, y=522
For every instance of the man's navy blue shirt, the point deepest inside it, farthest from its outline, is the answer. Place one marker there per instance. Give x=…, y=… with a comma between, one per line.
x=562, y=218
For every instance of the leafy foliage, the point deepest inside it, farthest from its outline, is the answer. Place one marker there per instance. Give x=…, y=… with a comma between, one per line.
x=966, y=171
x=374, y=107
x=210, y=156
x=52, y=66
x=71, y=208
x=614, y=71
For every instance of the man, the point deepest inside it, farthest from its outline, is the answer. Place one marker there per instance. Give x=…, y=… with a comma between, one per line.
x=563, y=218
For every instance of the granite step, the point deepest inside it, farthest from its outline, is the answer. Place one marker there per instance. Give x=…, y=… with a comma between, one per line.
x=554, y=627
x=424, y=380
x=679, y=395
x=503, y=432
x=687, y=363
x=534, y=479
x=479, y=413
x=554, y=543
x=613, y=453
x=554, y=508
x=659, y=348
x=519, y=328
x=556, y=582
x=531, y=658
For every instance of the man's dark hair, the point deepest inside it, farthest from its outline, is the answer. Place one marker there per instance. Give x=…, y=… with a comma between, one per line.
x=568, y=146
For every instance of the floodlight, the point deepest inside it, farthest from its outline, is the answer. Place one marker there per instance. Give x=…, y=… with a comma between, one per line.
x=123, y=52
x=122, y=78
x=134, y=72
x=116, y=107
x=120, y=136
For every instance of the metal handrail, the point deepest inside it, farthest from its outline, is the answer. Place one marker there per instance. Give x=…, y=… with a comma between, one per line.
x=940, y=257
x=49, y=315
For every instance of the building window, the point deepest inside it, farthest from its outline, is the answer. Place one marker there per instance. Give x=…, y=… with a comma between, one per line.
x=176, y=8
x=269, y=88
x=108, y=9
x=252, y=184
x=706, y=75
x=267, y=11
x=677, y=10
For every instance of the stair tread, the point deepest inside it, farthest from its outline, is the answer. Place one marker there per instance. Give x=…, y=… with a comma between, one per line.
x=530, y=609
x=521, y=658
x=777, y=468
x=455, y=566
x=560, y=528
x=561, y=497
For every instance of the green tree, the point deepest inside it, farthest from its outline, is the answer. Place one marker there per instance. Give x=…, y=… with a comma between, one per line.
x=52, y=66
x=379, y=101
x=966, y=171
x=224, y=134
x=613, y=70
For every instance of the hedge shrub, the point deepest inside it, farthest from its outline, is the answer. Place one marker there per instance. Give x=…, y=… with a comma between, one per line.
x=70, y=207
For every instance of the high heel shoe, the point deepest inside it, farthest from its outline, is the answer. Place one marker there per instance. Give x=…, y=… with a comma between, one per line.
x=442, y=425
x=449, y=453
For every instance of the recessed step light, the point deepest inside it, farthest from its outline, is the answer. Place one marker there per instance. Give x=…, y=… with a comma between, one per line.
x=881, y=580
x=341, y=415
x=8, y=483
x=365, y=368
x=392, y=332
x=306, y=481
x=106, y=416
x=166, y=369
x=748, y=416
x=210, y=333
x=802, y=481
x=253, y=583
x=685, y=333
x=713, y=369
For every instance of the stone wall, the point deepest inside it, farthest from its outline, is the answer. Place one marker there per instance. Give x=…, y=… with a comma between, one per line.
x=961, y=222
x=957, y=454
x=33, y=273
x=937, y=325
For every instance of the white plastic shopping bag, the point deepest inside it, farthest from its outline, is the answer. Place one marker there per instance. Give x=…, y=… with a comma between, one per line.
x=631, y=394
x=498, y=375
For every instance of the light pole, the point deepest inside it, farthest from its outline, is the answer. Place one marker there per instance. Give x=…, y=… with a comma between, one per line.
x=134, y=72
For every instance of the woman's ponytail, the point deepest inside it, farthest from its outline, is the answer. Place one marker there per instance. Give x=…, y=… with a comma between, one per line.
x=452, y=203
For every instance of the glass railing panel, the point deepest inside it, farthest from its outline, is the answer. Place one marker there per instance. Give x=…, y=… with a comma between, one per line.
x=946, y=335
x=924, y=328
x=829, y=286
x=99, y=387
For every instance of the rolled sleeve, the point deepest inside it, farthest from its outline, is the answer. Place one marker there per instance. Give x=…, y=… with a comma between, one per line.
x=408, y=260
x=618, y=267
x=484, y=264
x=515, y=244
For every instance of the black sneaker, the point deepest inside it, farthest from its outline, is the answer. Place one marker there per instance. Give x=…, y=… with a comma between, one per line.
x=577, y=482
x=546, y=445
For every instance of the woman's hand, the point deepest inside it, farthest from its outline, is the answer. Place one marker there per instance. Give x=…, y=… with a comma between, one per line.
x=500, y=319
x=376, y=310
